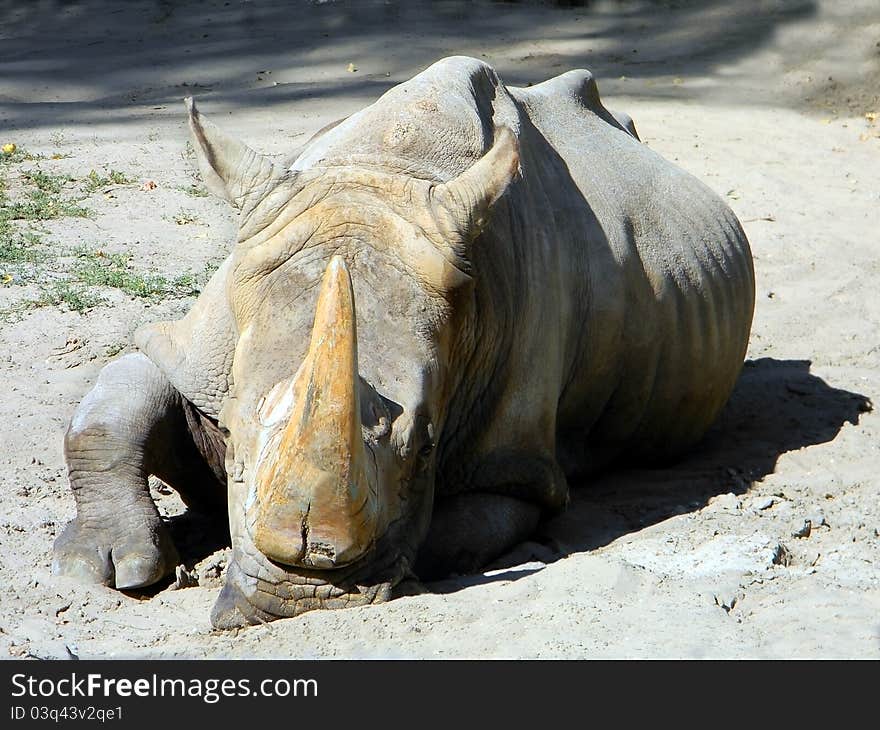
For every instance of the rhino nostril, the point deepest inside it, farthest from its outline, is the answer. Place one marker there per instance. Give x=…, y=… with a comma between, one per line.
x=320, y=555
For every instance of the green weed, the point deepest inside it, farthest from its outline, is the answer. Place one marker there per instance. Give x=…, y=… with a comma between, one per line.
x=45, y=181
x=196, y=191
x=40, y=205
x=113, y=270
x=68, y=294
x=183, y=218
x=19, y=154
x=113, y=349
x=94, y=182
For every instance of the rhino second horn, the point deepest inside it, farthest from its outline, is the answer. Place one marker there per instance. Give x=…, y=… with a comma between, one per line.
x=315, y=506
x=469, y=197
x=230, y=169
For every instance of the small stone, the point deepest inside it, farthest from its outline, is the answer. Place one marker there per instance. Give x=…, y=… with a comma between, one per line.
x=728, y=600
x=781, y=556
x=724, y=501
x=817, y=519
x=183, y=579
x=803, y=531
x=761, y=503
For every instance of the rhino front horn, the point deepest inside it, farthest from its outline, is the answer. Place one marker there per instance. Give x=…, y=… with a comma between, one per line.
x=315, y=506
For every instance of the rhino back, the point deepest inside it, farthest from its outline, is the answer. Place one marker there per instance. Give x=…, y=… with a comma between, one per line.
x=196, y=352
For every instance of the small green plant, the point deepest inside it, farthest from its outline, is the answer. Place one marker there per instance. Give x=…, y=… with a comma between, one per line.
x=119, y=178
x=211, y=267
x=114, y=348
x=74, y=297
x=184, y=218
x=97, y=268
x=95, y=182
x=19, y=154
x=46, y=182
x=40, y=205
x=20, y=247
x=196, y=191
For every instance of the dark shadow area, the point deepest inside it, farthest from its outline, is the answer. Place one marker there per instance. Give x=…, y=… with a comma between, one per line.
x=776, y=407
x=196, y=535
x=97, y=61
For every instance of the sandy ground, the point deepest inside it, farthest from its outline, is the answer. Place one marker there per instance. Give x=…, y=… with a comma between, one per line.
x=765, y=101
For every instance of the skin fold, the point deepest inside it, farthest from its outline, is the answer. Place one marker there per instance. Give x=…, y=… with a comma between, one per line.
x=450, y=305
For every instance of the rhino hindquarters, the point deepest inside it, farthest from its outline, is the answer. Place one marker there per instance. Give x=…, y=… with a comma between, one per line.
x=129, y=426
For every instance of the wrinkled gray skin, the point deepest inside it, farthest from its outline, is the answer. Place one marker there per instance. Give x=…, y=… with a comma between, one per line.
x=586, y=299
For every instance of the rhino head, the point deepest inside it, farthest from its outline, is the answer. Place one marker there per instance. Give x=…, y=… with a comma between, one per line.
x=353, y=297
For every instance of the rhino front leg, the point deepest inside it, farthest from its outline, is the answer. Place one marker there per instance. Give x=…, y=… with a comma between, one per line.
x=509, y=493
x=468, y=531
x=132, y=424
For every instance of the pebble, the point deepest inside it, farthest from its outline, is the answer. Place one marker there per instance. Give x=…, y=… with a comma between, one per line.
x=818, y=520
x=183, y=578
x=729, y=598
x=781, y=555
x=803, y=531
x=761, y=503
x=724, y=501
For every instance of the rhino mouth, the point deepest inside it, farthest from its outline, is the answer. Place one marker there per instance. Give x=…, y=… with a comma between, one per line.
x=258, y=590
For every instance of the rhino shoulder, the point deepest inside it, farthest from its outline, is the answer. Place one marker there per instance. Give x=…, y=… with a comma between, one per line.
x=196, y=352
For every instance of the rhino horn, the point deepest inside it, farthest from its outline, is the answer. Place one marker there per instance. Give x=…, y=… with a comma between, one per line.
x=469, y=197
x=315, y=506
x=231, y=170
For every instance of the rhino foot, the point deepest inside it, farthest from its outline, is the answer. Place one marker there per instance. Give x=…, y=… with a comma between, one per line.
x=119, y=557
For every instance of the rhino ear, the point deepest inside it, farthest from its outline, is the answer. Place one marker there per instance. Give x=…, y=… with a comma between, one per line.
x=231, y=170
x=469, y=198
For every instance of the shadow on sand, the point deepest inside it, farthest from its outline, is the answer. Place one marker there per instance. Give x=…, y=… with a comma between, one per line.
x=67, y=62
x=776, y=407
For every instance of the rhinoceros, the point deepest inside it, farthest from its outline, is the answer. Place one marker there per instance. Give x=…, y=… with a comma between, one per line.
x=450, y=306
